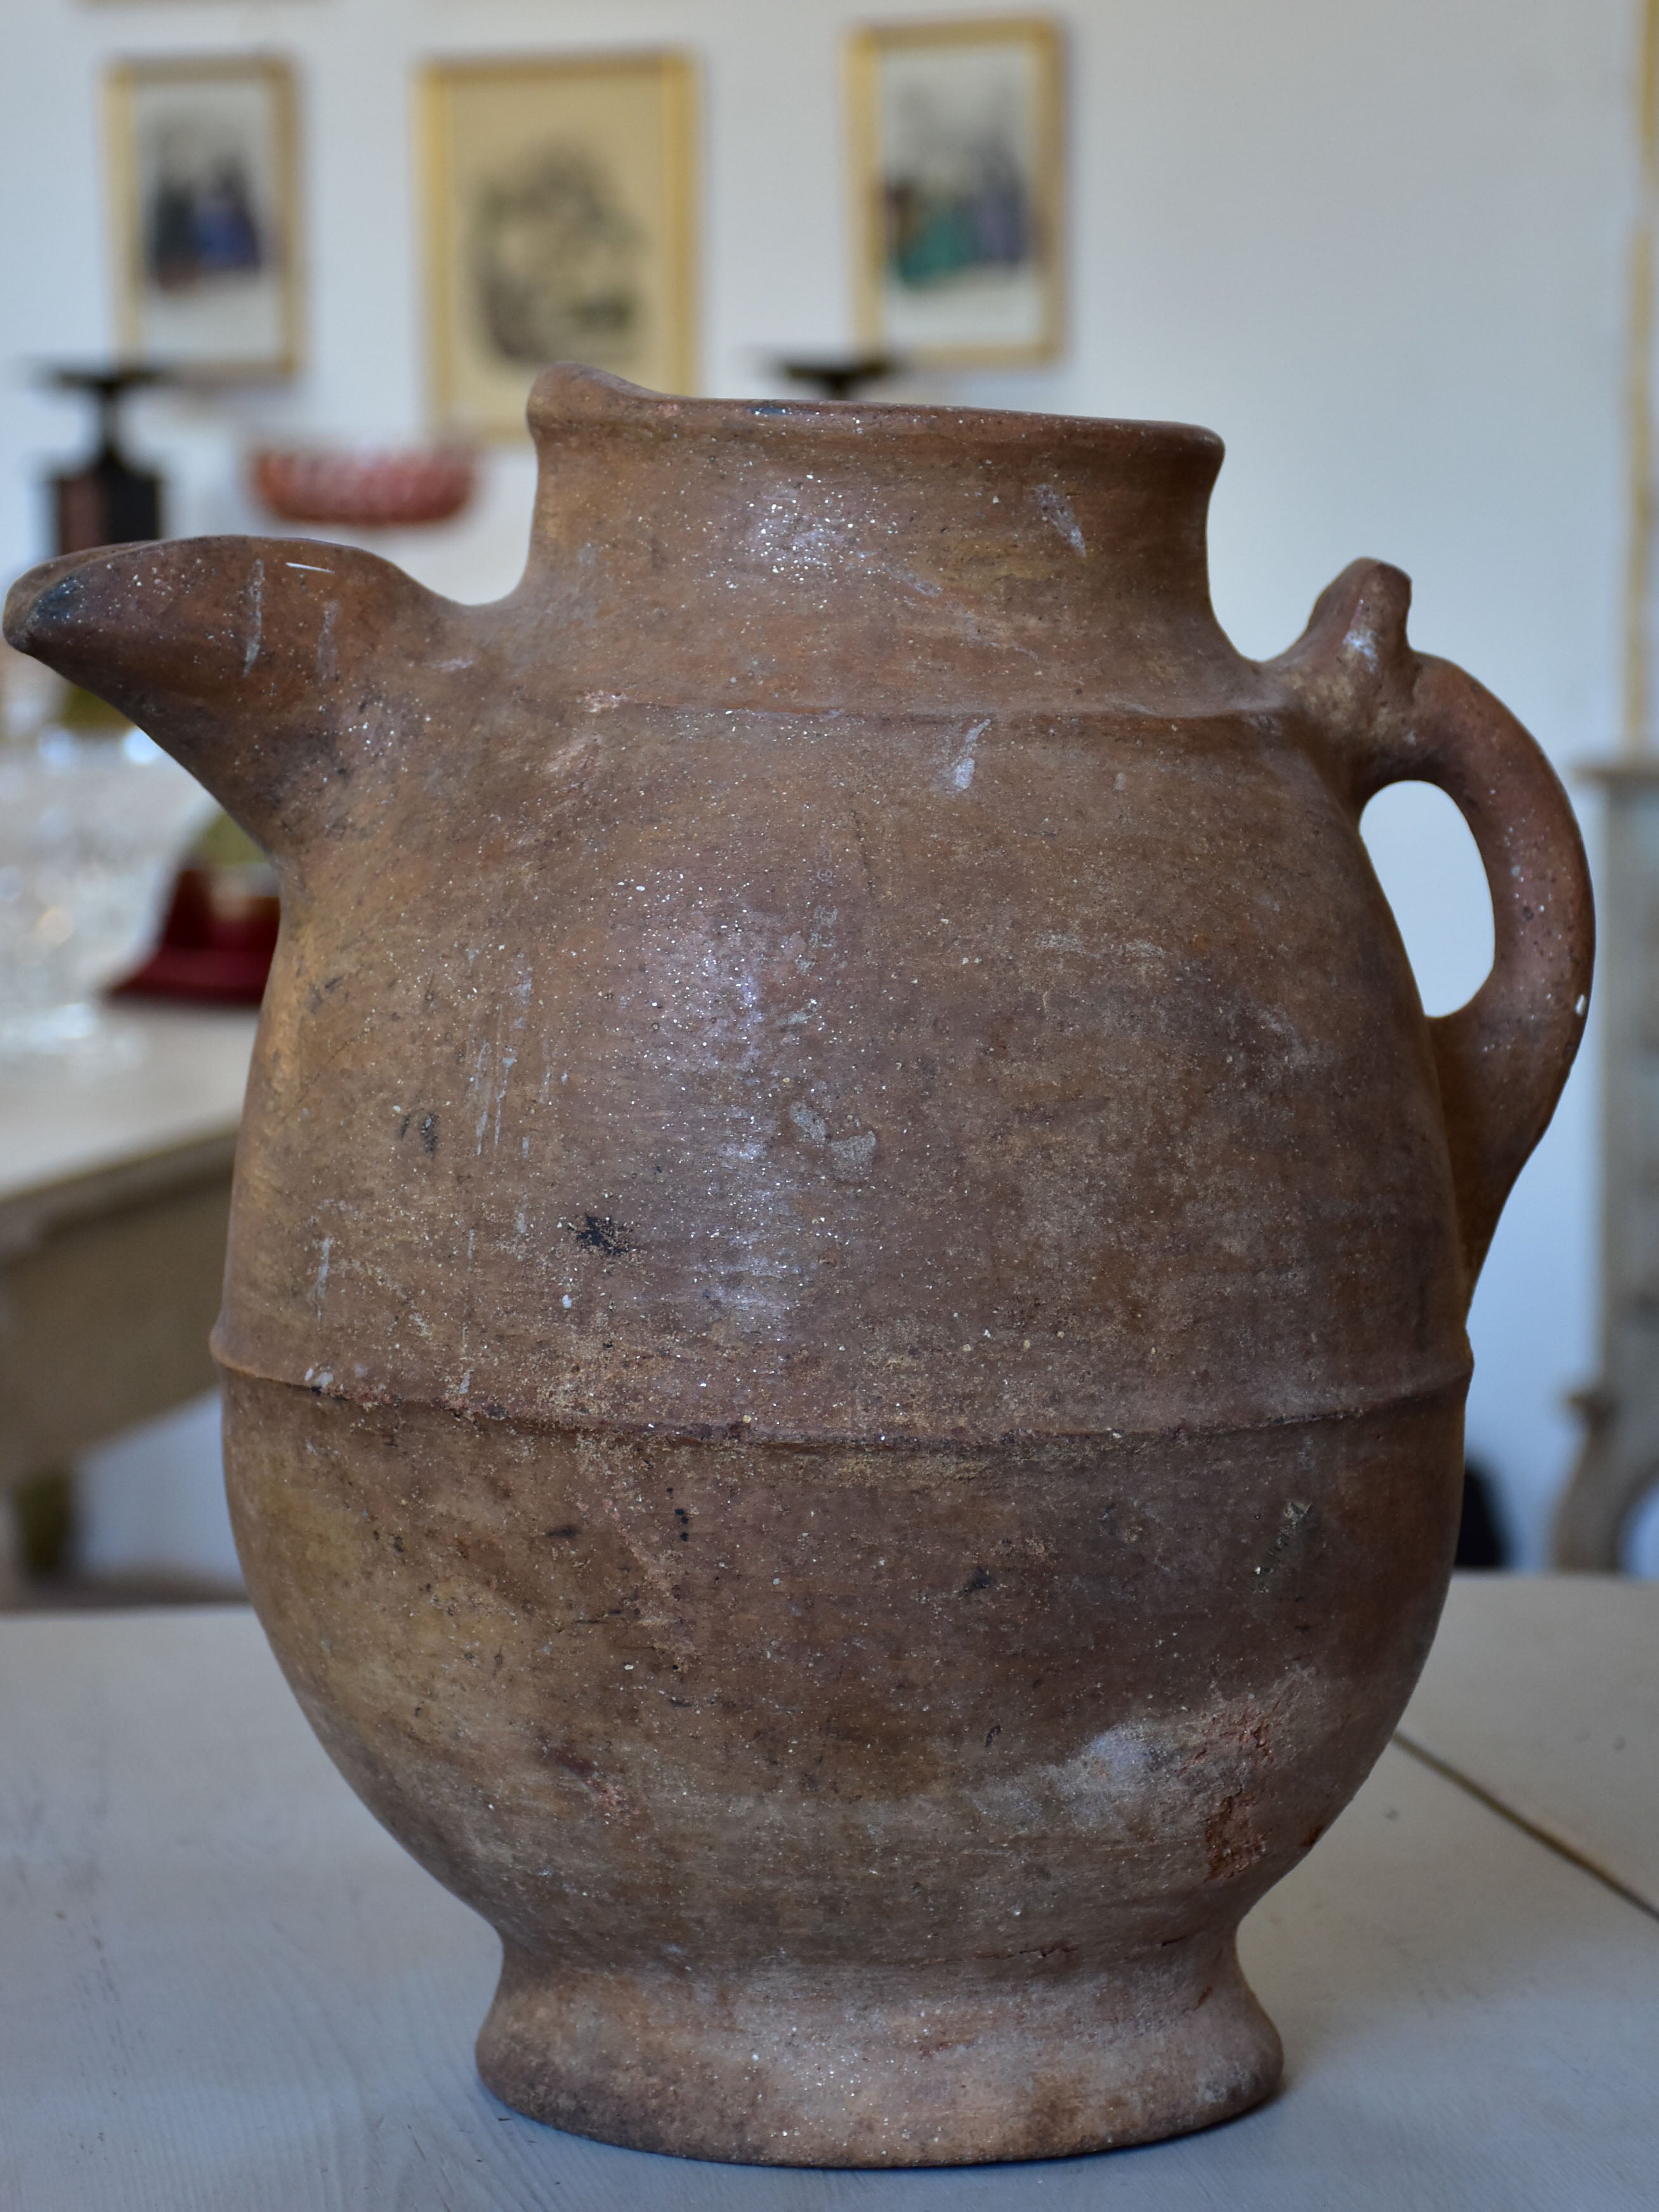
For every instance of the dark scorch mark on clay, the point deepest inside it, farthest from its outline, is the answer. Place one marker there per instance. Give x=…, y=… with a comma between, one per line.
x=599, y=1233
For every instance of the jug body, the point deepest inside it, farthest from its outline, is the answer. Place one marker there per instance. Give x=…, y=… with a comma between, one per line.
x=844, y=1332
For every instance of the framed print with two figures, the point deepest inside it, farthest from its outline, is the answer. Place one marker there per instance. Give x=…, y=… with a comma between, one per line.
x=560, y=226
x=204, y=199
x=958, y=171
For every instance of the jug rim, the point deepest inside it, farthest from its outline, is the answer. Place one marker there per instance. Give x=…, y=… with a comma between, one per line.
x=572, y=393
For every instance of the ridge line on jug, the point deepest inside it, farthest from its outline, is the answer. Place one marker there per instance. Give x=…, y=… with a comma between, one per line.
x=748, y=1430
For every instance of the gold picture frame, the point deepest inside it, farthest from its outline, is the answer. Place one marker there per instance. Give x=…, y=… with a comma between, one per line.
x=560, y=223
x=204, y=197
x=958, y=167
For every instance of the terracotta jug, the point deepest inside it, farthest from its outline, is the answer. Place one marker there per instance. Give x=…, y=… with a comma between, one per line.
x=844, y=1334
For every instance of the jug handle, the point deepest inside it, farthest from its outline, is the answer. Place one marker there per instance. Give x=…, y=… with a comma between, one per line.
x=1398, y=716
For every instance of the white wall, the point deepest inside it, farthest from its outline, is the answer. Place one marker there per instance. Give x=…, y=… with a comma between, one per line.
x=1380, y=248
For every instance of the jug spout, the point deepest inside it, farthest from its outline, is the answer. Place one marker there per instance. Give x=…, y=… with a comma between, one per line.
x=242, y=657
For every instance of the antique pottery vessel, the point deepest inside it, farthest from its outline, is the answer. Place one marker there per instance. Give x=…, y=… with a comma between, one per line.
x=844, y=1334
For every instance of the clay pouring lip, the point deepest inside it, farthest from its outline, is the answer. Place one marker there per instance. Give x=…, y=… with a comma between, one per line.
x=571, y=393
x=27, y=611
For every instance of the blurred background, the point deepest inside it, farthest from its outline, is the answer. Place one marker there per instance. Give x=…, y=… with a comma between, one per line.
x=1395, y=256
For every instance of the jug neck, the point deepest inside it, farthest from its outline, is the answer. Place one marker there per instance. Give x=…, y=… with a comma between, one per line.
x=802, y=556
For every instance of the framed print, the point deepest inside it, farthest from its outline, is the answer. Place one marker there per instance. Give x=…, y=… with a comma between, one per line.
x=560, y=227
x=205, y=215
x=957, y=169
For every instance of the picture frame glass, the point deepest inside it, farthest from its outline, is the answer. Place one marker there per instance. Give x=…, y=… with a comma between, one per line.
x=560, y=230
x=960, y=138
x=208, y=279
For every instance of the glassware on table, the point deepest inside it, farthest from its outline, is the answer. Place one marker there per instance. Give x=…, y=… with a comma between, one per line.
x=94, y=818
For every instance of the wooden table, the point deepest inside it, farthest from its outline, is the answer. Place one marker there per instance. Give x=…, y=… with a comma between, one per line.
x=226, y=1991
x=114, y=1193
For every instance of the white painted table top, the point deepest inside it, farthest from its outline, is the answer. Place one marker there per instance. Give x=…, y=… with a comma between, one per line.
x=1560, y=1722
x=226, y=1991
x=57, y=1126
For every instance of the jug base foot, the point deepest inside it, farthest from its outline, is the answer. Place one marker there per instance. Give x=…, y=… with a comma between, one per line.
x=881, y=2070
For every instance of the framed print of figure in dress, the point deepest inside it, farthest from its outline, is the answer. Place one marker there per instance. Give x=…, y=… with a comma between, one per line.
x=204, y=201
x=958, y=167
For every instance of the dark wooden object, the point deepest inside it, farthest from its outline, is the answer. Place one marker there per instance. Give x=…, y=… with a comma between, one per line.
x=107, y=501
x=841, y=376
